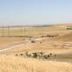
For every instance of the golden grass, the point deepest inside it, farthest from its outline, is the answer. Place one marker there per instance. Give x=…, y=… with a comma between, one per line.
x=17, y=64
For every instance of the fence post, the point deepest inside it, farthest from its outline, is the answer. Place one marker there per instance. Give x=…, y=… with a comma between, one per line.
x=8, y=31
x=2, y=31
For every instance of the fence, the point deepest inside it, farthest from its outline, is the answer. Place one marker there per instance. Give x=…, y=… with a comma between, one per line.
x=21, y=31
x=12, y=31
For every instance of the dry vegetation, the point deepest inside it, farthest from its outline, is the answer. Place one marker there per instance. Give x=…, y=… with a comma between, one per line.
x=36, y=49
x=17, y=64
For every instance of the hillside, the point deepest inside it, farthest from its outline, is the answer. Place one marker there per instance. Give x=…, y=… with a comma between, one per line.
x=52, y=46
x=17, y=64
x=67, y=37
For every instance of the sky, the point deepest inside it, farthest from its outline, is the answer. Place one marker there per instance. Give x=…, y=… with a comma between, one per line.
x=35, y=12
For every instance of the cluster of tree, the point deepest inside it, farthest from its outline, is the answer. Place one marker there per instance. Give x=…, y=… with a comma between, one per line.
x=39, y=55
x=69, y=28
x=48, y=35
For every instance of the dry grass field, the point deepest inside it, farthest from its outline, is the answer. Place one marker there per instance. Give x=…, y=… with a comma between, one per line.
x=17, y=64
x=36, y=49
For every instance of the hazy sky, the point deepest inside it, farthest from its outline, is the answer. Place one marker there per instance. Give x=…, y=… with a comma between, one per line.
x=26, y=12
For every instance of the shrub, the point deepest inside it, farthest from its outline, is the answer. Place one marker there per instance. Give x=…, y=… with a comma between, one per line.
x=69, y=28
x=50, y=54
x=32, y=41
x=21, y=54
x=27, y=54
x=34, y=55
x=16, y=55
x=46, y=56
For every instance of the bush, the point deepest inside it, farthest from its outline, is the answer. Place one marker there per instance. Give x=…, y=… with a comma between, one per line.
x=21, y=54
x=34, y=55
x=39, y=55
x=69, y=28
x=16, y=55
x=27, y=54
x=50, y=54
x=32, y=41
x=46, y=56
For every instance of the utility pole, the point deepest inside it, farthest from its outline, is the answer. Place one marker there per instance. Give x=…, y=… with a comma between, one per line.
x=23, y=30
x=8, y=31
x=2, y=31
